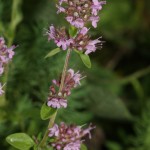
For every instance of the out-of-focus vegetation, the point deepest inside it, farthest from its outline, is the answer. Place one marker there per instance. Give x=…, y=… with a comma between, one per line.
x=115, y=96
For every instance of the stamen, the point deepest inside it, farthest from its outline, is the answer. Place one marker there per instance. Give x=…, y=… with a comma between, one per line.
x=81, y=43
x=59, y=94
x=85, y=17
x=76, y=14
x=86, y=5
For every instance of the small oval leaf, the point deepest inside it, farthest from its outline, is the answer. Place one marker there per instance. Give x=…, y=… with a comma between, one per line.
x=20, y=141
x=53, y=52
x=83, y=147
x=72, y=31
x=47, y=112
x=85, y=59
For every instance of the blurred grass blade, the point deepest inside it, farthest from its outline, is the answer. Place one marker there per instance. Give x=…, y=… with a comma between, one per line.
x=16, y=17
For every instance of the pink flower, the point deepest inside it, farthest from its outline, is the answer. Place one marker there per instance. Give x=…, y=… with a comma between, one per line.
x=51, y=33
x=62, y=43
x=60, y=37
x=57, y=102
x=91, y=46
x=72, y=80
x=88, y=131
x=78, y=23
x=84, y=31
x=75, y=76
x=54, y=131
x=60, y=9
x=6, y=54
x=11, y=52
x=69, y=19
x=68, y=137
x=94, y=20
x=97, y=6
x=73, y=146
x=83, y=43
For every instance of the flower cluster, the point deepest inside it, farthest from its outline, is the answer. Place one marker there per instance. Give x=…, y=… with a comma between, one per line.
x=60, y=37
x=83, y=43
x=57, y=99
x=79, y=12
x=6, y=54
x=68, y=137
x=80, y=42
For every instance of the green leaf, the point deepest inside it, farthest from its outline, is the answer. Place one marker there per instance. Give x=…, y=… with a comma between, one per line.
x=53, y=52
x=83, y=147
x=47, y=112
x=20, y=141
x=72, y=31
x=85, y=59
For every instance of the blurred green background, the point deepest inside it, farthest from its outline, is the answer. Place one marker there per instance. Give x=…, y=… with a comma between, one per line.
x=115, y=96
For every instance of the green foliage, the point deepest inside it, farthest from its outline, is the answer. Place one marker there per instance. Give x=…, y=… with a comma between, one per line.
x=142, y=129
x=16, y=16
x=20, y=141
x=47, y=112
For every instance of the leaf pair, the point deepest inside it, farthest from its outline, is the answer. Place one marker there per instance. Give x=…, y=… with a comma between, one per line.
x=85, y=58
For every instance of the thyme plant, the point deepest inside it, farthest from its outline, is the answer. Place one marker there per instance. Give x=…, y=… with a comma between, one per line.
x=75, y=39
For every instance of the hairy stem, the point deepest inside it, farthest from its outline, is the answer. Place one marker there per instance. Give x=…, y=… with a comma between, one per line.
x=64, y=70
x=50, y=125
x=52, y=120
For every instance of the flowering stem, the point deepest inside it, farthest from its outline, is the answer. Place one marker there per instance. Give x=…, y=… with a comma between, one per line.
x=52, y=120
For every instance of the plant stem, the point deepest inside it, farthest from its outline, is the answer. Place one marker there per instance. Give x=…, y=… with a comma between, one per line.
x=52, y=120
x=64, y=70
x=50, y=125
